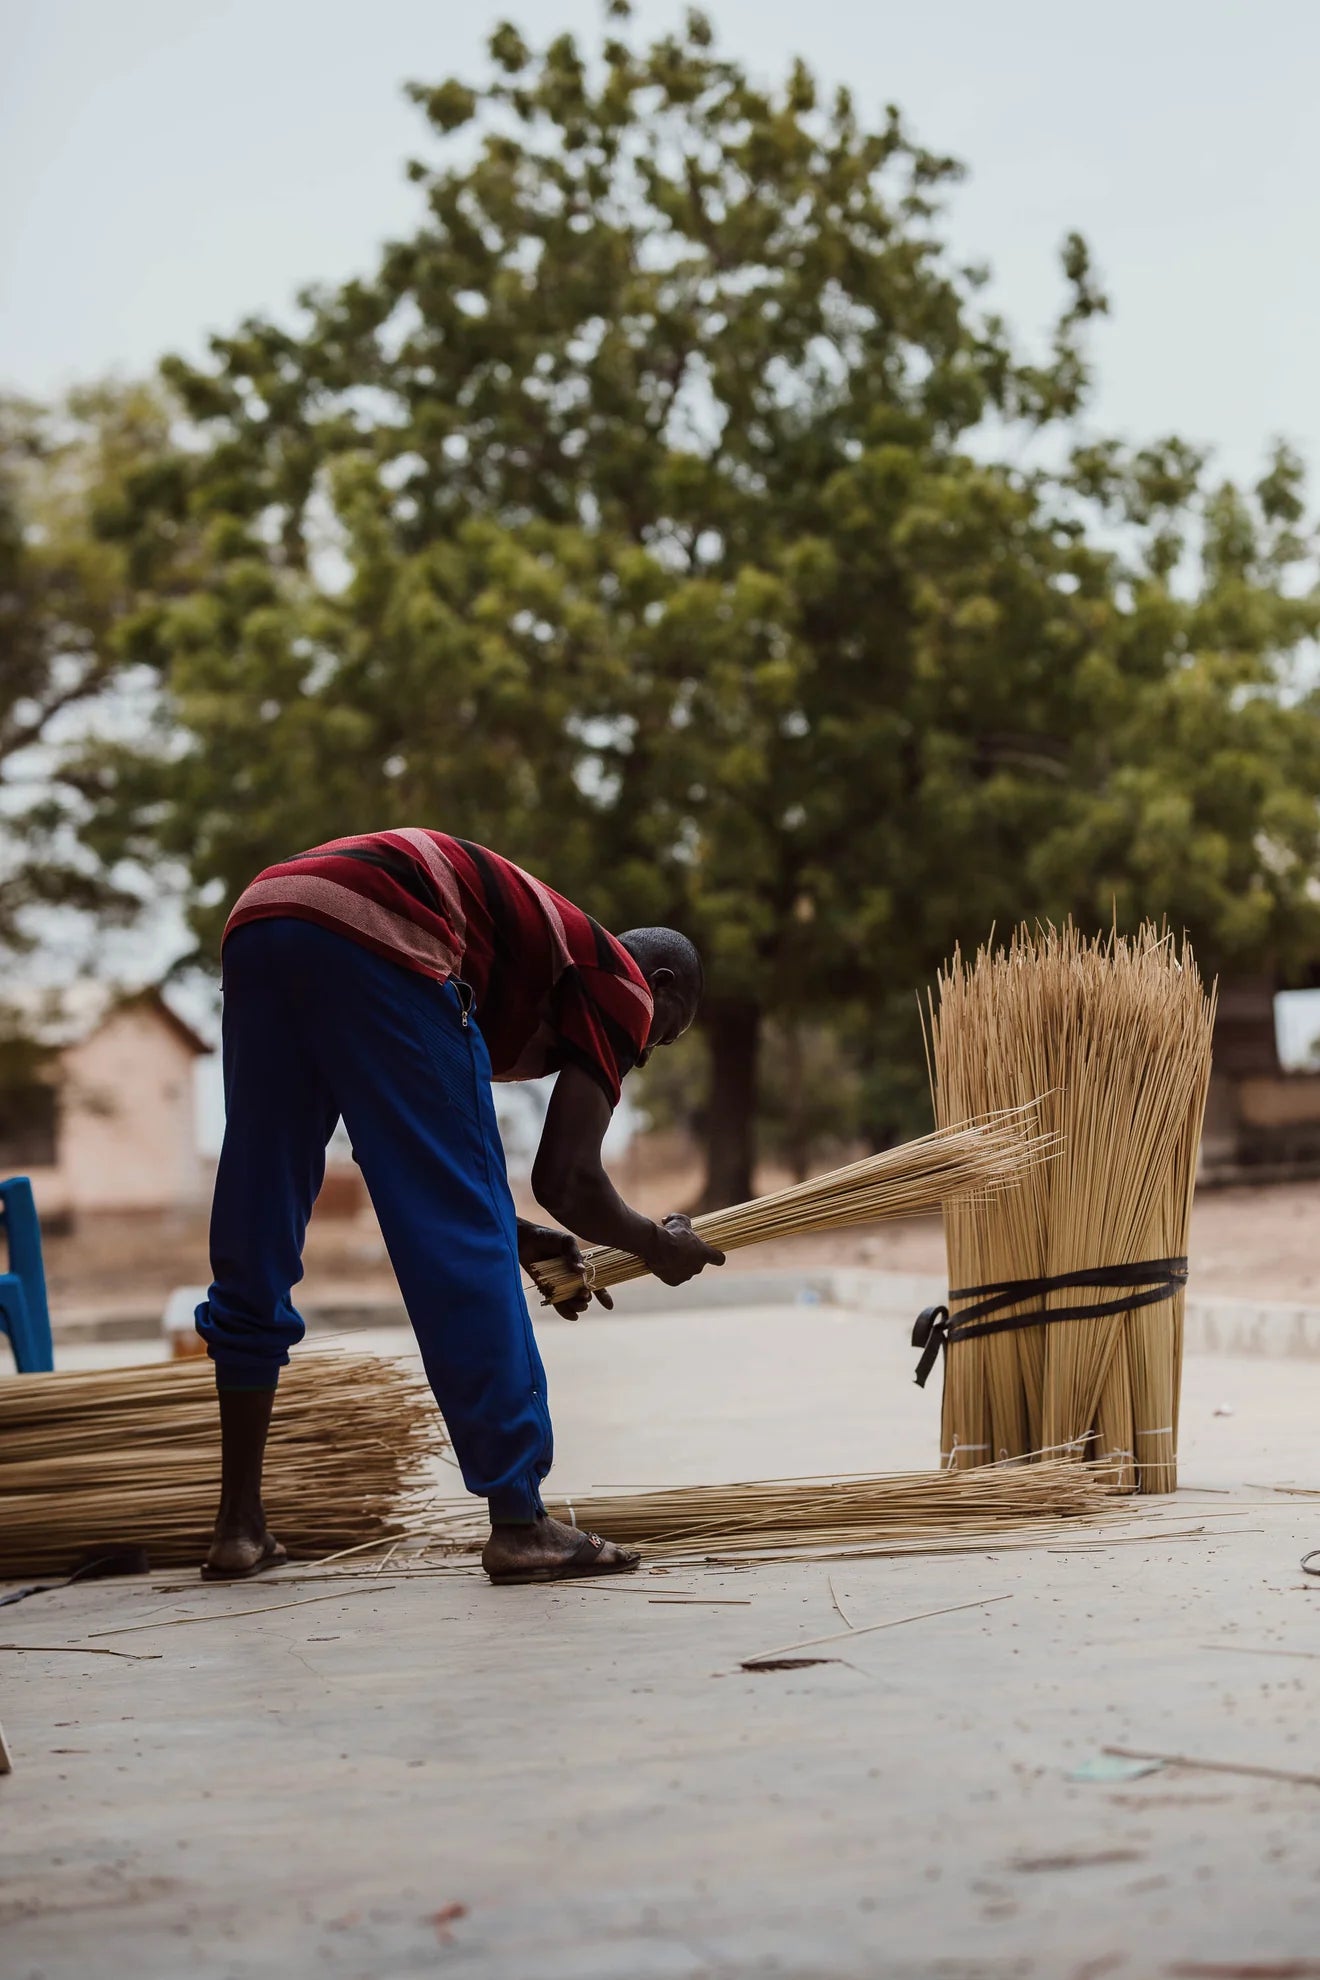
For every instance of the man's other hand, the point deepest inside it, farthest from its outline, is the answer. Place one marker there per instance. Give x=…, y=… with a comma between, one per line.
x=538, y=1242
x=680, y=1254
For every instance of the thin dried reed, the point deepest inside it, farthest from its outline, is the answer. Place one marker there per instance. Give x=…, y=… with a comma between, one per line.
x=1114, y=1036
x=903, y=1512
x=131, y=1456
x=906, y=1181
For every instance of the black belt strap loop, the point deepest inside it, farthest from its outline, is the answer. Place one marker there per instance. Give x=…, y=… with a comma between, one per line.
x=929, y=1333
x=1146, y=1284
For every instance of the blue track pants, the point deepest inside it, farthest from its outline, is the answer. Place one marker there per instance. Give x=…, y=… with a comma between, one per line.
x=316, y=1027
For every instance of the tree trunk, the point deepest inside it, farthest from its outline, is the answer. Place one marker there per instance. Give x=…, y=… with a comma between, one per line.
x=797, y=1137
x=733, y=1036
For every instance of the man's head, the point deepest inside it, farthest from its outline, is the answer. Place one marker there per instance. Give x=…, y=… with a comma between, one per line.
x=673, y=972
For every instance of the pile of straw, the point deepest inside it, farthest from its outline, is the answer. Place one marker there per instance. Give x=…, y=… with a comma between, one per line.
x=131, y=1456
x=1114, y=1034
x=904, y=1512
x=917, y=1177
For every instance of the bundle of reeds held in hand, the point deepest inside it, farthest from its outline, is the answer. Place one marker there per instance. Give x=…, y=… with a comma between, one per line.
x=920, y=1176
x=1064, y=1324
x=131, y=1456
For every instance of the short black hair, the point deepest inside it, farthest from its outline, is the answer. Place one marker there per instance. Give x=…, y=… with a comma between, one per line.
x=665, y=948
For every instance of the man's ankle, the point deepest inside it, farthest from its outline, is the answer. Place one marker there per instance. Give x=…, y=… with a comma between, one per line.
x=243, y=1520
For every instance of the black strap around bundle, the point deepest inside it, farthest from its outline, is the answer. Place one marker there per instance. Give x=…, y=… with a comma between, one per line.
x=1141, y=1285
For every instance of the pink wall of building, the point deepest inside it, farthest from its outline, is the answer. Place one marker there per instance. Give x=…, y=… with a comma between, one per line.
x=127, y=1132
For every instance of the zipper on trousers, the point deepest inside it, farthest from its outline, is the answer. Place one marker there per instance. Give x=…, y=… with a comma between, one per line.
x=466, y=999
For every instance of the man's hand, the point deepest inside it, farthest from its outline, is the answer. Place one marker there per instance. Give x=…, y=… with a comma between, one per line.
x=537, y=1242
x=679, y=1254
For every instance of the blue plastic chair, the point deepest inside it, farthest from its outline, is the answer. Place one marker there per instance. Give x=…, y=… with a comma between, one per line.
x=24, y=1313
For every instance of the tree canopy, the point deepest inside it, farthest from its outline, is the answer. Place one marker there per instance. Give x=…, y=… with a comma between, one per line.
x=672, y=511
x=65, y=588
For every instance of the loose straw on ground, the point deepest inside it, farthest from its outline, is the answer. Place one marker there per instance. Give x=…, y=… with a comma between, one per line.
x=1217, y=1767
x=1113, y=1035
x=132, y=1455
x=905, y=1512
x=907, y=1181
x=867, y=1629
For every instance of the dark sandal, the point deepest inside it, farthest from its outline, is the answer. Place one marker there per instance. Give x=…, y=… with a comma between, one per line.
x=584, y=1560
x=271, y=1556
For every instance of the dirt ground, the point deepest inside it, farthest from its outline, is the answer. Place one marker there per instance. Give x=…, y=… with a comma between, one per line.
x=1253, y=1243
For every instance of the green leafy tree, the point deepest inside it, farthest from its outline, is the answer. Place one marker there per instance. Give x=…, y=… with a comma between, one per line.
x=60, y=592
x=64, y=588
x=68, y=582
x=655, y=512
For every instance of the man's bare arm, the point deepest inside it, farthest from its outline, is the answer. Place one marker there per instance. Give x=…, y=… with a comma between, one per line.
x=569, y=1180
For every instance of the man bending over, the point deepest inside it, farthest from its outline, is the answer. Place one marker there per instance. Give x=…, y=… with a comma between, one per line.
x=388, y=979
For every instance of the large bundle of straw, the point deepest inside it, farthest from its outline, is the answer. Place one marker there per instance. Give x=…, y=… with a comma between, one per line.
x=919, y=1176
x=904, y=1512
x=1114, y=1034
x=132, y=1456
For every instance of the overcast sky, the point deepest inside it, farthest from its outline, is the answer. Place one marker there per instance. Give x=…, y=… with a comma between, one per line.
x=170, y=165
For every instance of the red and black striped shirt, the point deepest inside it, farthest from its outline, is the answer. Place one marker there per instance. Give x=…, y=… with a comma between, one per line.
x=551, y=986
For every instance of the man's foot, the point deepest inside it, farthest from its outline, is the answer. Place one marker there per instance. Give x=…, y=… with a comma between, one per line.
x=547, y=1550
x=236, y=1556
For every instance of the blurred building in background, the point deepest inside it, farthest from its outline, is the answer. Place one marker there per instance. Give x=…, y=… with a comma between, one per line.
x=1262, y=1121
x=111, y=1126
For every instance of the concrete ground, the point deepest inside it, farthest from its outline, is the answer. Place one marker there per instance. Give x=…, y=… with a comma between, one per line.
x=432, y=1776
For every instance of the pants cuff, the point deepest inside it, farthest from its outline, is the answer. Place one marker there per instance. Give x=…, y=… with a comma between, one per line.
x=243, y=1371
x=515, y=1504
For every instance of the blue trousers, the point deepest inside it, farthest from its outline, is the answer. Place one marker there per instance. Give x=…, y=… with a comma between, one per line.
x=316, y=1027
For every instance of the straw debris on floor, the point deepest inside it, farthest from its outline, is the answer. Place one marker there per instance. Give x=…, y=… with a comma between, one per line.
x=902, y=1512
x=132, y=1456
x=1110, y=1038
x=908, y=1181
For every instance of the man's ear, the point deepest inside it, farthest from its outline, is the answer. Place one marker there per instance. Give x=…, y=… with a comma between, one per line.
x=660, y=979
